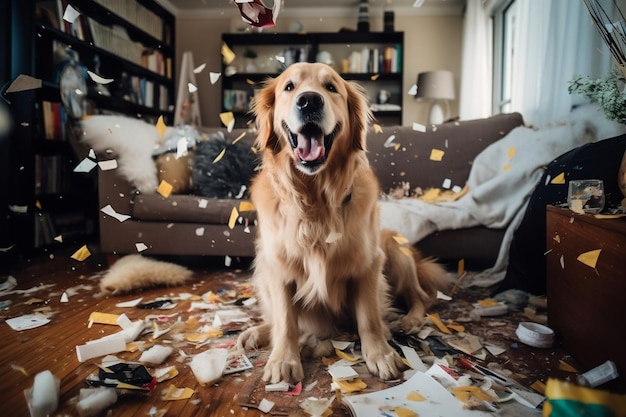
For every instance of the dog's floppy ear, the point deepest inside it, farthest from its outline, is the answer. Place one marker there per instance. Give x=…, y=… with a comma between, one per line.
x=263, y=110
x=359, y=114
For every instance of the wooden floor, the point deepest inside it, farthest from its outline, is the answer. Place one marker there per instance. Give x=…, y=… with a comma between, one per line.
x=52, y=346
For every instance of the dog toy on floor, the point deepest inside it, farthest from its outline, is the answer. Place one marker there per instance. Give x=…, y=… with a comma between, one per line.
x=134, y=272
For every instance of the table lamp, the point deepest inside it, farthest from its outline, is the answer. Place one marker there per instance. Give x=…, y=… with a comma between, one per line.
x=437, y=86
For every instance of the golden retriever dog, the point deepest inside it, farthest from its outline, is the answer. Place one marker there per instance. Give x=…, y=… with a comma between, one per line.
x=320, y=252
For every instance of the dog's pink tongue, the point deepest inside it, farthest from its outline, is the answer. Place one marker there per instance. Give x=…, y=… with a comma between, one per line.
x=309, y=149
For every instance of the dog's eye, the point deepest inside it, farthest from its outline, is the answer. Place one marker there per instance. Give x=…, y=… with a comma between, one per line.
x=289, y=86
x=331, y=87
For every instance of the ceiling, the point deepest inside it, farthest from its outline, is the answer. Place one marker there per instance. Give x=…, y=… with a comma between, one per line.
x=210, y=7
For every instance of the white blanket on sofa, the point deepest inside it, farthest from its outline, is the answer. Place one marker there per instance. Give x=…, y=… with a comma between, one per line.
x=502, y=178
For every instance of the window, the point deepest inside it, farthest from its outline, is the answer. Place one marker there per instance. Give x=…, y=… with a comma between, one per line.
x=504, y=21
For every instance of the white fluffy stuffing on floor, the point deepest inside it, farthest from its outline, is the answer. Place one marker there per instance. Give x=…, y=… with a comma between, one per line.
x=134, y=272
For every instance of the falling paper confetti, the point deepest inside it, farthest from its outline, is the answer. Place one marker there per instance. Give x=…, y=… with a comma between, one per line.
x=199, y=68
x=165, y=188
x=70, y=14
x=374, y=77
x=436, y=155
x=234, y=214
x=590, y=258
x=110, y=211
x=378, y=128
x=81, y=254
x=108, y=165
x=418, y=127
x=333, y=237
x=413, y=90
x=140, y=247
x=192, y=88
x=228, y=56
x=559, y=179
x=214, y=76
x=228, y=119
x=161, y=127
x=219, y=156
x=86, y=165
x=246, y=206
x=99, y=79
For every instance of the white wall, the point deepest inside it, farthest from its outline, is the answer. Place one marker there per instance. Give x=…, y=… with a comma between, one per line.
x=431, y=42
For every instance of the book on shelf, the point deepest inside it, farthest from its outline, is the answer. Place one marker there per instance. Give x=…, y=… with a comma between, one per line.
x=136, y=14
x=375, y=60
x=54, y=119
x=52, y=174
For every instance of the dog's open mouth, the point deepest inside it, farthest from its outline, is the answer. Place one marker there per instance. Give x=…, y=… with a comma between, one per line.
x=310, y=145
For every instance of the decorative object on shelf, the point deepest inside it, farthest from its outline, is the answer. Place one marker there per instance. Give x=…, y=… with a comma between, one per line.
x=438, y=87
x=73, y=90
x=585, y=196
x=388, y=17
x=187, y=106
x=363, y=22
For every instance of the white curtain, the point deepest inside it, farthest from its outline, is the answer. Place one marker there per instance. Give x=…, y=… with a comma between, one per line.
x=476, y=66
x=555, y=40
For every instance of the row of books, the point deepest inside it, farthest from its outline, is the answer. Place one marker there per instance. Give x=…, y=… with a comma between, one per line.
x=374, y=60
x=137, y=15
x=149, y=94
x=54, y=119
x=52, y=174
x=116, y=40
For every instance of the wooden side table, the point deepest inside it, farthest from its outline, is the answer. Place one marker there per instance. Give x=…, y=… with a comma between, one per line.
x=586, y=304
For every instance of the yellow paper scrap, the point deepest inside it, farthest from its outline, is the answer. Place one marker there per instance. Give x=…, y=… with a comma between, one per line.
x=227, y=118
x=404, y=412
x=456, y=327
x=539, y=386
x=378, y=128
x=19, y=368
x=166, y=374
x=354, y=385
x=435, y=319
x=228, y=56
x=161, y=126
x=559, y=179
x=234, y=215
x=436, y=154
x=609, y=216
x=374, y=77
x=557, y=238
x=415, y=396
x=401, y=239
x=246, y=206
x=238, y=138
x=431, y=195
x=103, y=318
x=506, y=167
x=511, y=152
x=81, y=254
x=165, y=188
x=219, y=156
x=464, y=393
x=38, y=204
x=590, y=258
x=564, y=366
x=249, y=81
x=344, y=355
x=461, y=267
x=488, y=302
x=173, y=393
x=59, y=238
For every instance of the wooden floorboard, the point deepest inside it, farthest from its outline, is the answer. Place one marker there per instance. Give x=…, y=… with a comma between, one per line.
x=52, y=347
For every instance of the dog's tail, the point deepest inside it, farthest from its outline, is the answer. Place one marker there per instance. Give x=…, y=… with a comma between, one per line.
x=414, y=280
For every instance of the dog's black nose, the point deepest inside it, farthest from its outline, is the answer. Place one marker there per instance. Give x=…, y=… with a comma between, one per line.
x=310, y=103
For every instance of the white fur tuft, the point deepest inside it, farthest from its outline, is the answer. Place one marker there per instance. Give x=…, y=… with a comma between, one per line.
x=135, y=272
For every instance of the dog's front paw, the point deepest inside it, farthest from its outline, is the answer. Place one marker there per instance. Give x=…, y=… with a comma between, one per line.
x=281, y=367
x=254, y=337
x=411, y=323
x=385, y=363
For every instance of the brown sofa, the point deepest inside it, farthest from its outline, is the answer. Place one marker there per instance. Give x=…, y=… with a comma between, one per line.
x=180, y=225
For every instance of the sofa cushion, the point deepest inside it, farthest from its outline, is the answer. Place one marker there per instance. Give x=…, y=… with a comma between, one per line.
x=407, y=158
x=186, y=209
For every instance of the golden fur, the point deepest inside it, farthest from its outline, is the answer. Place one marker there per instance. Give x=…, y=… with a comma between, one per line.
x=319, y=251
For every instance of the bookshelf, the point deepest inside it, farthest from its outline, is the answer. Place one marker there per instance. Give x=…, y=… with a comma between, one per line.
x=123, y=50
x=374, y=59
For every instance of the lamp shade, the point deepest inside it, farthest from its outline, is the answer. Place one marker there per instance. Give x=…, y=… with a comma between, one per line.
x=435, y=85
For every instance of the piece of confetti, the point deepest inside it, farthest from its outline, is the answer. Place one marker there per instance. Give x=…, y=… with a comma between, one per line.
x=374, y=77
x=70, y=14
x=401, y=240
x=140, y=246
x=81, y=254
x=173, y=393
x=234, y=215
x=191, y=88
x=590, y=258
x=199, y=68
x=246, y=206
x=214, y=77
x=108, y=165
x=165, y=188
x=227, y=118
x=436, y=155
x=333, y=237
x=378, y=128
x=228, y=56
x=219, y=156
x=98, y=78
x=161, y=127
x=418, y=127
x=559, y=179
x=413, y=90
